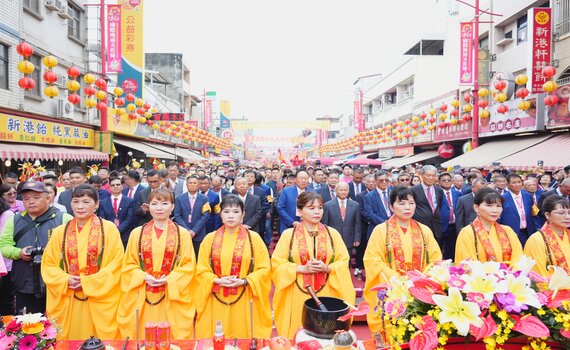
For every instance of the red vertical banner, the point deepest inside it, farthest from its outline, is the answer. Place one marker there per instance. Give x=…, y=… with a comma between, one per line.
x=114, y=56
x=540, y=48
x=208, y=114
x=356, y=121
x=466, y=54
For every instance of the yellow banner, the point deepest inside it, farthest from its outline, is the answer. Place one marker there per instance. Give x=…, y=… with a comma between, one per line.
x=131, y=78
x=121, y=124
x=316, y=124
x=20, y=129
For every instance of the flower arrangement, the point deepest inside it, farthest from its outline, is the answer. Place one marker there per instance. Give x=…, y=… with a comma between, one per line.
x=491, y=301
x=27, y=332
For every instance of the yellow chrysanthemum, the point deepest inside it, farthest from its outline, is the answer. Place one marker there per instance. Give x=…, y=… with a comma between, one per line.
x=32, y=328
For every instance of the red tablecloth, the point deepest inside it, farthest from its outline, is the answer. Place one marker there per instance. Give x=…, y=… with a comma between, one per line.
x=201, y=344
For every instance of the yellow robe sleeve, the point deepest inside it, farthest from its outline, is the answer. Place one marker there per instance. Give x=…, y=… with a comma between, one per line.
x=101, y=288
x=465, y=246
x=284, y=272
x=536, y=249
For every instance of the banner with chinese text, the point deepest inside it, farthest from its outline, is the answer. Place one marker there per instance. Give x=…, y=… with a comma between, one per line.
x=114, y=56
x=540, y=48
x=466, y=54
x=131, y=78
x=24, y=129
x=225, y=122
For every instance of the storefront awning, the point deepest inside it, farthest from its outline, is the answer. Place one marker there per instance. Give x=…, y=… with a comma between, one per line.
x=150, y=152
x=494, y=151
x=400, y=162
x=548, y=151
x=20, y=151
x=189, y=156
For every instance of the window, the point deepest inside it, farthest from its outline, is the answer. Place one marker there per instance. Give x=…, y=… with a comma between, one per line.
x=484, y=43
x=32, y=6
x=3, y=67
x=37, y=76
x=521, y=29
x=74, y=24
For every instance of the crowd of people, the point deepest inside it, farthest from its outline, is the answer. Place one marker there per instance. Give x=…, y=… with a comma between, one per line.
x=206, y=242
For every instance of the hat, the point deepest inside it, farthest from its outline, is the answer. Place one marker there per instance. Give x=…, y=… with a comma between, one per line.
x=35, y=186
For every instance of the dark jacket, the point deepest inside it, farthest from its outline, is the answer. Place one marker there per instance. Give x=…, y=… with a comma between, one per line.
x=139, y=217
x=464, y=212
x=125, y=215
x=192, y=220
x=349, y=228
x=423, y=213
x=252, y=212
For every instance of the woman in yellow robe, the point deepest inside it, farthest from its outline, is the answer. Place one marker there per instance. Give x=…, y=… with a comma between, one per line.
x=158, y=285
x=233, y=269
x=294, y=265
x=485, y=239
x=551, y=244
x=396, y=246
x=83, y=290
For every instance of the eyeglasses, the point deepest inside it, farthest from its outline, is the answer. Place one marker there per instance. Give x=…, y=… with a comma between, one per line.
x=561, y=212
x=382, y=180
x=9, y=194
x=115, y=185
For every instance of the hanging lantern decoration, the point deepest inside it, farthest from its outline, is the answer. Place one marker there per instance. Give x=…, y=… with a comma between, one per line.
x=551, y=100
x=73, y=85
x=502, y=109
x=466, y=117
x=467, y=108
x=521, y=79
x=73, y=72
x=50, y=77
x=522, y=92
x=101, y=84
x=130, y=97
x=524, y=105
x=74, y=98
x=90, y=102
x=101, y=106
x=550, y=86
x=26, y=67
x=89, y=90
x=446, y=151
x=101, y=95
x=483, y=92
x=484, y=114
x=139, y=102
x=548, y=72
x=119, y=102
x=467, y=97
x=89, y=78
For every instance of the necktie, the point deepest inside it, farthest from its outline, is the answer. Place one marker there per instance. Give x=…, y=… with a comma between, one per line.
x=173, y=185
x=130, y=193
x=356, y=189
x=451, y=215
x=192, y=202
x=386, y=204
x=115, y=206
x=332, y=194
x=430, y=199
x=521, y=210
x=342, y=210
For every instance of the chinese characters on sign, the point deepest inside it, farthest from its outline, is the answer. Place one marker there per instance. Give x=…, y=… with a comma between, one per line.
x=358, y=120
x=20, y=129
x=540, y=50
x=174, y=117
x=114, y=58
x=466, y=54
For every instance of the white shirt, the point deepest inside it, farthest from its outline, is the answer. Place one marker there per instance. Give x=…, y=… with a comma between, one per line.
x=134, y=191
x=387, y=204
x=299, y=191
x=342, y=200
x=432, y=191
x=242, y=198
x=119, y=197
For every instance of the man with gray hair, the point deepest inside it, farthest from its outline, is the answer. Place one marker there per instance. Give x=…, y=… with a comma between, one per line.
x=428, y=201
x=458, y=181
x=464, y=212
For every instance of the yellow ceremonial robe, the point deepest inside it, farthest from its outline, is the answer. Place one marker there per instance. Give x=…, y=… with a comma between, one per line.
x=210, y=310
x=97, y=315
x=288, y=300
x=536, y=249
x=176, y=308
x=378, y=271
x=465, y=245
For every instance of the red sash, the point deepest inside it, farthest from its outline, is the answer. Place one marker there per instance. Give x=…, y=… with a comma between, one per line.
x=483, y=236
x=169, y=257
x=92, y=265
x=552, y=244
x=418, y=246
x=237, y=257
x=316, y=280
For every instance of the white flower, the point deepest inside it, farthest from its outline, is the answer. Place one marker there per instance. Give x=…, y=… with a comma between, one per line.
x=488, y=285
x=461, y=313
x=525, y=264
x=440, y=272
x=30, y=318
x=477, y=267
x=558, y=280
x=520, y=288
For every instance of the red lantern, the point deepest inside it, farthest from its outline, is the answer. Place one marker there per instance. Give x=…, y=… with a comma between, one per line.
x=454, y=112
x=50, y=77
x=551, y=100
x=483, y=103
x=466, y=117
x=407, y=121
x=467, y=97
x=415, y=126
x=90, y=90
x=443, y=107
x=73, y=72
x=133, y=116
x=500, y=85
x=423, y=115
x=146, y=106
x=140, y=110
x=101, y=83
x=27, y=83
x=432, y=120
x=74, y=98
x=442, y=125
x=423, y=131
x=101, y=106
x=25, y=49
x=522, y=92
x=502, y=109
x=120, y=102
x=548, y=72
x=130, y=97
x=446, y=151
x=149, y=122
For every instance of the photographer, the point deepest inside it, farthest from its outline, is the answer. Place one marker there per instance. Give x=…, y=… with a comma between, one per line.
x=23, y=240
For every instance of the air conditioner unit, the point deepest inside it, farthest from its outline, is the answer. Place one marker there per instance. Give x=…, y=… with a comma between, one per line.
x=61, y=81
x=64, y=108
x=64, y=12
x=93, y=47
x=53, y=5
x=387, y=98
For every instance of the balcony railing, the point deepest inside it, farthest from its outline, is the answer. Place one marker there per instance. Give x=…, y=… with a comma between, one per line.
x=561, y=17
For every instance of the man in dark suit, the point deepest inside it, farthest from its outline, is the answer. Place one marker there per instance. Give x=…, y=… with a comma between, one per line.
x=562, y=190
x=531, y=186
x=356, y=186
x=428, y=200
x=251, y=205
x=377, y=202
x=192, y=211
x=343, y=214
x=76, y=177
x=517, y=209
x=287, y=206
x=328, y=191
x=464, y=213
x=447, y=213
x=318, y=180
x=251, y=176
x=97, y=183
x=132, y=180
x=173, y=182
x=140, y=213
x=214, y=221
x=118, y=208
x=369, y=185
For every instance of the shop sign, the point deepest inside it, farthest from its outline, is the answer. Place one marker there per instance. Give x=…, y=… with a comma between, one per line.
x=540, y=48
x=385, y=153
x=403, y=151
x=28, y=130
x=459, y=131
x=466, y=54
x=172, y=117
x=514, y=121
x=114, y=55
x=558, y=116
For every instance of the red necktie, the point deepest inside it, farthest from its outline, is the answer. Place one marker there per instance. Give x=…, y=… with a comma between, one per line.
x=451, y=215
x=342, y=210
x=522, y=214
x=130, y=192
x=115, y=206
x=430, y=199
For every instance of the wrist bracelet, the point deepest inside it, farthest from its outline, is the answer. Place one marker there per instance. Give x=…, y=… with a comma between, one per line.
x=245, y=283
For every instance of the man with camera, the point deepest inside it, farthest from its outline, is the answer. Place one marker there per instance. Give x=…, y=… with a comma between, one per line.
x=24, y=238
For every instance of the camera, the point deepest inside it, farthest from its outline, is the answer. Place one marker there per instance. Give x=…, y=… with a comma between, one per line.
x=36, y=251
x=39, y=286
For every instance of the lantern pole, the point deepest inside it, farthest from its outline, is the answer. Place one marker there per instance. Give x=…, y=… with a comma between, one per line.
x=475, y=48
